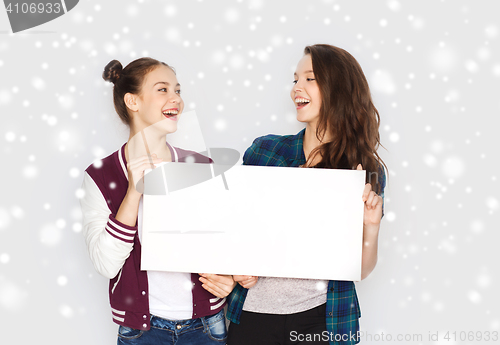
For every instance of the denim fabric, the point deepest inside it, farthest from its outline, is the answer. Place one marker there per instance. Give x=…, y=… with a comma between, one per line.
x=204, y=330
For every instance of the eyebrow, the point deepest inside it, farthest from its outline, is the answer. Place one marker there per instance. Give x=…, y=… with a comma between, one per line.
x=164, y=82
x=308, y=71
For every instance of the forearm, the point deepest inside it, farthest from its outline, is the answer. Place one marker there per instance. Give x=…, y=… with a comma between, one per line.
x=129, y=208
x=370, y=249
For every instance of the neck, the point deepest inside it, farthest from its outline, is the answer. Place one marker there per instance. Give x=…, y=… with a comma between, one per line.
x=311, y=141
x=147, y=141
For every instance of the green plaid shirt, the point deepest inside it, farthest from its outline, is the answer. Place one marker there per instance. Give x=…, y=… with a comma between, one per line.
x=342, y=307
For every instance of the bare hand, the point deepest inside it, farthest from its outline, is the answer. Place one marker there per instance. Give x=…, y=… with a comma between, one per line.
x=136, y=169
x=217, y=284
x=246, y=281
x=373, y=205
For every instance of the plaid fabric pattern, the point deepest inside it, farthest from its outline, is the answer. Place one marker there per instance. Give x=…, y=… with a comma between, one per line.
x=235, y=302
x=342, y=307
x=342, y=312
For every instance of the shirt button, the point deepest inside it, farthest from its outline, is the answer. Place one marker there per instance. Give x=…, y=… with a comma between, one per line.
x=330, y=314
x=194, y=314
x=144, y=317
x=194, y=305
x=145, y=325
x=178, y=326
x=194, y=284
x=143, y=293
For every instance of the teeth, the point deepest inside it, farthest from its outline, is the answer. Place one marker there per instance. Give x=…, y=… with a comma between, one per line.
x=301, y=100
x=170, y=112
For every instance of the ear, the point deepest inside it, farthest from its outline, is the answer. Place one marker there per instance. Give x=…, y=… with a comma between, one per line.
x=131, y=101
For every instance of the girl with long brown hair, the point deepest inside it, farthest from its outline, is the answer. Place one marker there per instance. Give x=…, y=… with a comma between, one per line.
x=332, y=98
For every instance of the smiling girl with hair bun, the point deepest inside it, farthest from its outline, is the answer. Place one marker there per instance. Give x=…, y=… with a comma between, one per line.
x=151, y=307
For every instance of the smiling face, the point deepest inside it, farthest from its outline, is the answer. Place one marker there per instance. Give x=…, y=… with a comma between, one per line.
x=160, y=100
x=305, y=93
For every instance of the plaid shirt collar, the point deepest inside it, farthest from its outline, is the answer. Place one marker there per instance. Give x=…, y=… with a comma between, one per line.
x=297, y=156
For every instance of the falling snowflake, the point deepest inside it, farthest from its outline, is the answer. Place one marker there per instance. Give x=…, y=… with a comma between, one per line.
x=50, y=235
x=474, y=296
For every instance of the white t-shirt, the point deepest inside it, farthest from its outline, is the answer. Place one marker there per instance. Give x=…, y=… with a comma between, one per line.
x=170, y=295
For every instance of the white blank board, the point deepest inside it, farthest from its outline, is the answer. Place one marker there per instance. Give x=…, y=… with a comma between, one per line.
x=273, y=221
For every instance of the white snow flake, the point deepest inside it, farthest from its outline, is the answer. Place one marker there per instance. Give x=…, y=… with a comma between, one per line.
x=12, y=297
x=474, y=296
x=62, y=280
x=50, y=235
x=30, y=171
x=4, y=258
x=394, y=137
x=77, y=227
x=393, y=5
x=491, y=31
x=492, y=203
x=170, y=10
x=231, y=15
x=38, y=83
x=382, y=81
x=390, y=216
x=66, y=311
x=453, y=167
x=220, y=125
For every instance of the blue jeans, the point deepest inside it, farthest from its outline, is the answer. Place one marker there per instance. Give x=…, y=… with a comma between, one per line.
x=204, y=330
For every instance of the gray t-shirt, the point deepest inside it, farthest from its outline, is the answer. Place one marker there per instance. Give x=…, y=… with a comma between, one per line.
x=285, y=295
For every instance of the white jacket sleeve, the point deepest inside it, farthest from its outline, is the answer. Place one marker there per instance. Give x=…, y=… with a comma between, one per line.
x=109, y=242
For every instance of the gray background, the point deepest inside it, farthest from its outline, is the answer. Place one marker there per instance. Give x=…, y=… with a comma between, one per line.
x=434, y=71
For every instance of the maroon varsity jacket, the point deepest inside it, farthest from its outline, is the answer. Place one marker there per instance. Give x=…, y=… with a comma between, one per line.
x=112, y=243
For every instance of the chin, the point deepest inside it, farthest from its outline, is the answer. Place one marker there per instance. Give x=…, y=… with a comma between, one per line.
x=165, y=126
x=171, y=129
x=302, y=118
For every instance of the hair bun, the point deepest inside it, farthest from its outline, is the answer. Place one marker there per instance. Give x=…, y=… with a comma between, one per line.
x=112, y=71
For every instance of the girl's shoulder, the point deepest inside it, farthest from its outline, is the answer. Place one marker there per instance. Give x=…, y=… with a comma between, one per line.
x=109, y=173
x=275, y=139
x=272, y=148
x=104, y=165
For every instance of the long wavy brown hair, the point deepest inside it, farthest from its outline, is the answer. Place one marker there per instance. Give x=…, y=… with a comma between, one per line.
x=347, y=114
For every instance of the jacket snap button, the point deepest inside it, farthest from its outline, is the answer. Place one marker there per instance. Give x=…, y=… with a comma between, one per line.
x=144, y=317
x=143, y=293
x=145, y=326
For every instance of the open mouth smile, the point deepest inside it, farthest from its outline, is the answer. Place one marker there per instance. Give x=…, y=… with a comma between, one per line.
x=301, y=102
x=171, y=114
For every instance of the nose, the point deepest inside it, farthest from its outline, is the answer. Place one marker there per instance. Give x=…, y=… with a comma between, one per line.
x=296, y=91
x=176, y=98
x=297, y=86
x=176, y=101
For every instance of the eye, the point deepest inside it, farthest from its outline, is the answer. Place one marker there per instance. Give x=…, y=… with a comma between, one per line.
x=164, y=88
x=178, y=92
x=310, y=79
x=295, y=81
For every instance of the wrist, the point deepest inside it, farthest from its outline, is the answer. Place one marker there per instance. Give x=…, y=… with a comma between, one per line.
x=372, y=228
x=133, y=194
